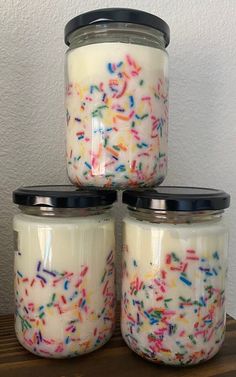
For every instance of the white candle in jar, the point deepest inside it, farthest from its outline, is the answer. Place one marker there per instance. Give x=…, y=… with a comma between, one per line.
x=64, y=283
x=173, y=283
x=117, y=114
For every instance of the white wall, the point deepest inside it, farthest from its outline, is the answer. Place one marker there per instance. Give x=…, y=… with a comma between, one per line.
x=202, y=132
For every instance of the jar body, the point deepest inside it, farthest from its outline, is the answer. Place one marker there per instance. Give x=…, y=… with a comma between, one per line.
x=117, y=108
x=64, y=283
x=173, y=290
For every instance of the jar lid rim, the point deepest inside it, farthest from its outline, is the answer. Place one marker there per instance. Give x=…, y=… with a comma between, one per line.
x=126, y=15
x=63, y=196
x=177, y=198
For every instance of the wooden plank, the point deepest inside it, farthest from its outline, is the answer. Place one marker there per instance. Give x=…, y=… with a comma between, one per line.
x=114, y=359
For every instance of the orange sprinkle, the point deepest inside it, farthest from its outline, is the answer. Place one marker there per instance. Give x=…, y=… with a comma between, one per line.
x=122, y=117
x=112, y=151
x=122, y=147
x=126, y=75
x=113, y=82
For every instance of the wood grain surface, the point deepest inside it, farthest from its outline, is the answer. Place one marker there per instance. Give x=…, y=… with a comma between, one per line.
x=114, y=359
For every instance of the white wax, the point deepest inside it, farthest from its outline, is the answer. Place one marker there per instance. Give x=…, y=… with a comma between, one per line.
x=173, y=290
x=117, y=115
x=64, y=283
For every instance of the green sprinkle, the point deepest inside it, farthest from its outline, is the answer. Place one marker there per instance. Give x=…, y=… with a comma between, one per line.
x=191, y=337
x=140, y=166
x=105, y=142
x=144, y=116
x=176, y=259
x=141, y=82
x=116, y=147
x=42, y=315
x=133, y=124
x=103, y=277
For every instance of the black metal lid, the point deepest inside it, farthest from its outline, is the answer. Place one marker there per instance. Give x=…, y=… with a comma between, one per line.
x=127, y=15
x=63, y=197
x=177, y=198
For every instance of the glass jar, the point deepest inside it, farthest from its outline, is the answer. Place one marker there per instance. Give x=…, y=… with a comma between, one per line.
x=174, y=268
x=117, y=99
x=64, y=270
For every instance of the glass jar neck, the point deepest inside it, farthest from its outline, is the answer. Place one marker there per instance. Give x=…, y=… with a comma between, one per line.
x=174, y=217
x=64, y=212
x=117, y=32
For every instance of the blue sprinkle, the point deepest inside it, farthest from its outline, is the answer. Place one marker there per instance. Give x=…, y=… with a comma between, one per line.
x=131, y=101
x=209, y=273
x=88, y=165
x=215, y=272
x=185, y=281
x=109, y=129
x=135, y=263
x=120, y=168
x=20, y=274
x=66, y=284
x=119, y=64
x=202, y=301
x=216, y=255
x=146, y=314
x=67, y=340
x=109, y=66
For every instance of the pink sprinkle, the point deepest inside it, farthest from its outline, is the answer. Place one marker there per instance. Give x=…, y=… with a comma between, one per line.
x=63, y=299
x=147, y=98
x=192, y=258
x=59, y=348
x=182, y=333
x=105, y=287
x=163, y=274
x=131, y=114
x=169, y=312
x=83, y=272
x=129, y=60
x=45, y=352
x=168, y=259
x=47, y=341
x=191, y=251
x=211, y=333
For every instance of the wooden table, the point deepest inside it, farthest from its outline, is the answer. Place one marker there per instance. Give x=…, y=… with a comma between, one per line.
x=113, y=360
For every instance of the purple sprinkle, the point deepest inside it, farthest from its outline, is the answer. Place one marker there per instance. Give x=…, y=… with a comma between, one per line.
x=38, y=266
x=40, y=336
x=49, y=272
x=42, y=278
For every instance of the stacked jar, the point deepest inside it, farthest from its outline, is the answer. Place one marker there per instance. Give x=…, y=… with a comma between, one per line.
x=175, y=244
